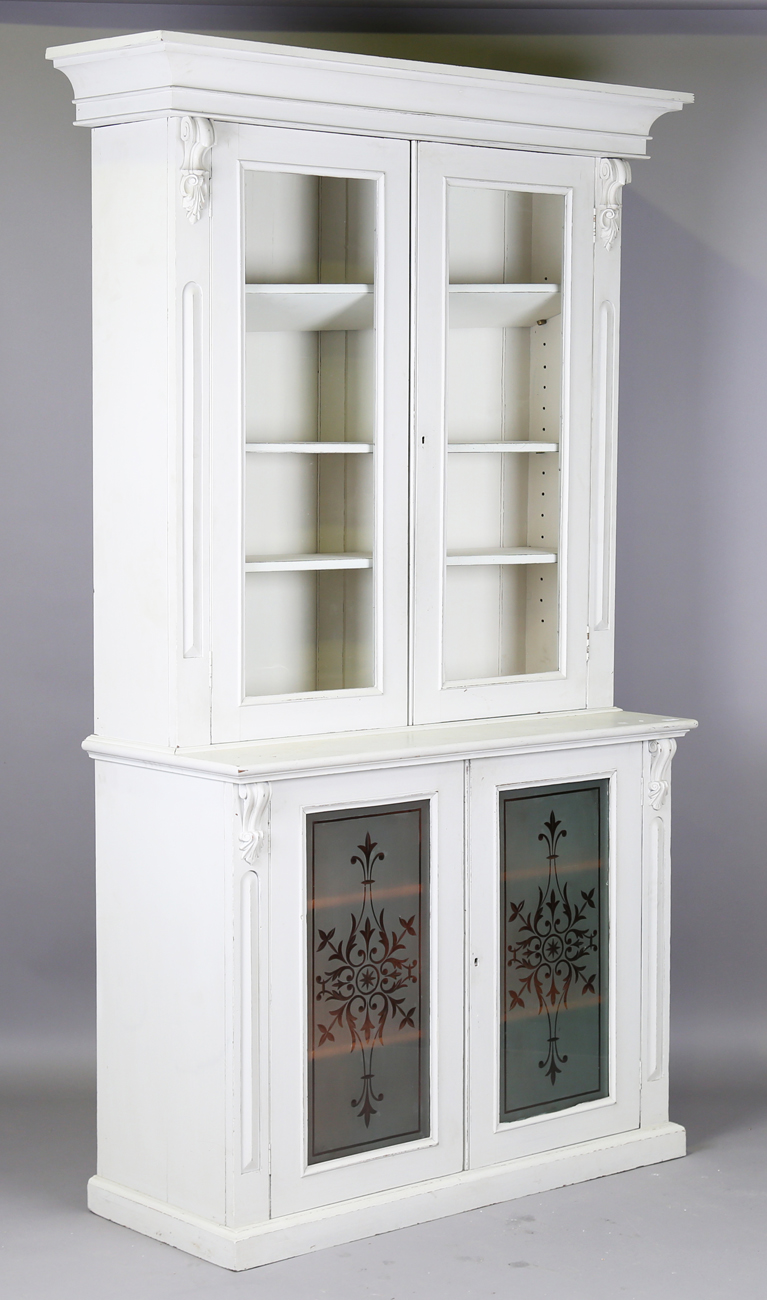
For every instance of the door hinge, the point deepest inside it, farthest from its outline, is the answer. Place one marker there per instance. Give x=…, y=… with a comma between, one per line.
x=588, y=643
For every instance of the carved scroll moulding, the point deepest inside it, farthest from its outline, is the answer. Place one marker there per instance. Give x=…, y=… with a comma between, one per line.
x=198, y=137
x=612, y=175
x=255, y=801
x=661, y=754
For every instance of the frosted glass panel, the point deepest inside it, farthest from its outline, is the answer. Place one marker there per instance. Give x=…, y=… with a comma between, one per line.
x=554, y=948
x=368, y=922
x=504, y=363
x=310, y=402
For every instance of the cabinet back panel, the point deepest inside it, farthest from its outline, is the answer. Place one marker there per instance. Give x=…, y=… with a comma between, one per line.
x=344, y=628
x=503, y=236
x=281, y=393
x=346, y=399
x=484, y=631
x=281, y=505
x=302, y=505
x=488, y=385
x=303, y=229
x=486, y=501
x=284, y=605
x=281, y=226
x=308, y=631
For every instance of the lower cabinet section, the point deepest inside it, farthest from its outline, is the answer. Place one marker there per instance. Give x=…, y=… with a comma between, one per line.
x=427, y=989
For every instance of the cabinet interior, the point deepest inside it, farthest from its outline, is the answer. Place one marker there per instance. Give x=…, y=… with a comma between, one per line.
x=503, y=421
x=310, y=416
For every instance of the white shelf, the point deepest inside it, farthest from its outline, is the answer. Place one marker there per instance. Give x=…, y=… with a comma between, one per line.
x=283, y=563
x=278, y=307
x=502, y=446
x=490, y=306
x=505, y=555
x=312, y=448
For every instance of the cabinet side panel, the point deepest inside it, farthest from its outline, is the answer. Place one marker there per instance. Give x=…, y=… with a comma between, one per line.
x=130, y=415
x=161, y=893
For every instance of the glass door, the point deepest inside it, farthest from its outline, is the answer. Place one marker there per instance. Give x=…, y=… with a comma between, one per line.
x=314, y=634
x=503, y=432
x=366, y=982
x=555, y=896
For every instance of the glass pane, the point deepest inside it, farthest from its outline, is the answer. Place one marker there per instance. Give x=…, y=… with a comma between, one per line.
x=503, y=428
x=368, y=925
x=310, y=417
x=554, y=948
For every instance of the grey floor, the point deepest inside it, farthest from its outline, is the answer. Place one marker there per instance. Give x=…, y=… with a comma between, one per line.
x=693, y=1228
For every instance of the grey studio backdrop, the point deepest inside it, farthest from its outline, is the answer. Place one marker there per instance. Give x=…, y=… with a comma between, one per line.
x=692, y=552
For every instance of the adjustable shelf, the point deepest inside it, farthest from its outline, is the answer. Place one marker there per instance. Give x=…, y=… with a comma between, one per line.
x=312, y=448
x=278, y=307
x=313, y=563
x=505, y=555
x=503, y=447
x=492, y=306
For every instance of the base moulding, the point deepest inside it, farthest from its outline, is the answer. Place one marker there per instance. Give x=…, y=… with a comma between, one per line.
x=402, y=1207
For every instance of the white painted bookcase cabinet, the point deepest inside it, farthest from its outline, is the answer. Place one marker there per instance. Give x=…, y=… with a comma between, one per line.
x=382, y=873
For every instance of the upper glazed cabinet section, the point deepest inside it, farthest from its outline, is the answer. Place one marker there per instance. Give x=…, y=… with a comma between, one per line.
x=377, y=361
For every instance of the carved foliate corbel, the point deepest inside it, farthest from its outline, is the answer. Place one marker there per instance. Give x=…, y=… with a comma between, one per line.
x=661, y=754
x=255, y=801
x=198, y=137
x=612, y=175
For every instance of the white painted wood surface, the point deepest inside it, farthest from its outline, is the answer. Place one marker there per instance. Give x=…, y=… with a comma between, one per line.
x=493, y=306
x=308, y=307
x=537, y=733
x=335, y=343
x=124, y=78
x=163, y=989
x=367, y=1216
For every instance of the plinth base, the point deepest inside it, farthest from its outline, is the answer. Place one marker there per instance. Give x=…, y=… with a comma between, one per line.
x=298, y=1234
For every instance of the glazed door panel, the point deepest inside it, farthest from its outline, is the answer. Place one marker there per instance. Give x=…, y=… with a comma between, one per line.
x=554, y=948
x=309, y=421
x=366, y=983
x=504, y=284
x=555, y=890
x=368, y=978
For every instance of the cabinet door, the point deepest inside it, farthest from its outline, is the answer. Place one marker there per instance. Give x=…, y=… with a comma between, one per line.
x=504, y=257
x=310, y=343
x=555, y=904
x=367, y=977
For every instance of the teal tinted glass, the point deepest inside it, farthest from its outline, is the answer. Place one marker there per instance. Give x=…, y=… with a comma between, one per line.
x=368, y=925
x=554, y=948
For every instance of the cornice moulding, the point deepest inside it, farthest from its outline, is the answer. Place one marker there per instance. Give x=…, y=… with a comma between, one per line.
x=155, y=74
